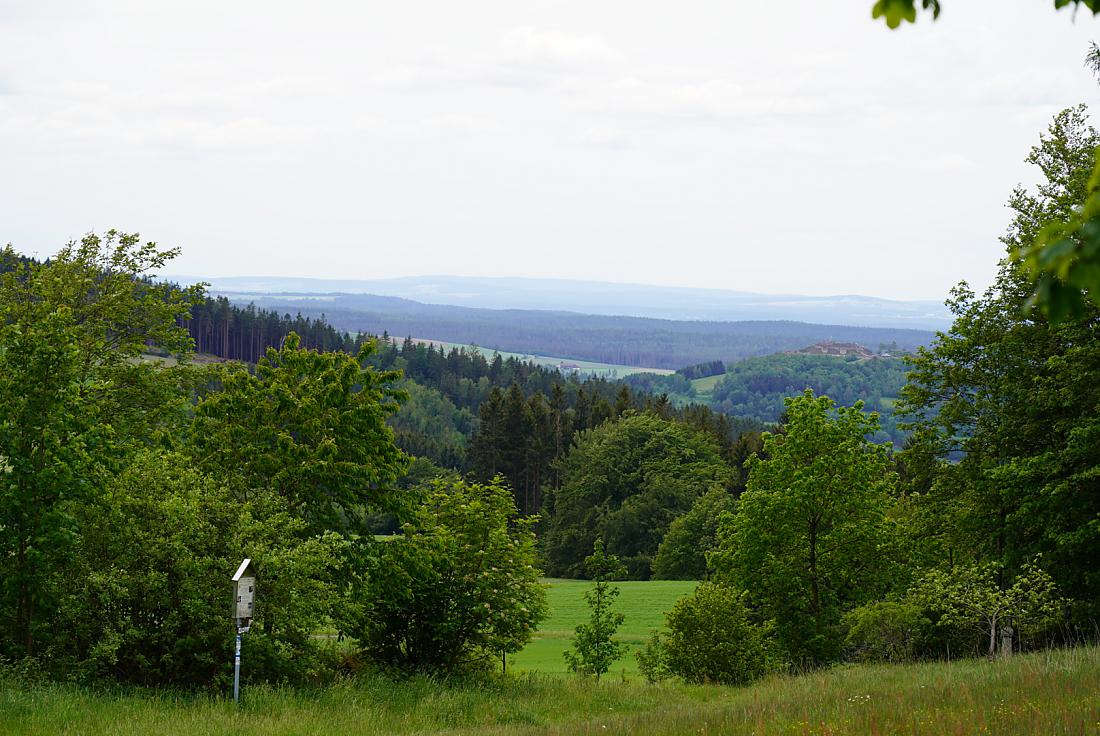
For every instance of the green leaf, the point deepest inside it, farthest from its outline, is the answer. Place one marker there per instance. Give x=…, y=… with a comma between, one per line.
x=895, y=11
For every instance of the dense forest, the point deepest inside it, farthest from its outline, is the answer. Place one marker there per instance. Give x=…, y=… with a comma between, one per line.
x=464, y=411
x=245, y=333
x=753, y=389
x=636, y=341
x=756, y=387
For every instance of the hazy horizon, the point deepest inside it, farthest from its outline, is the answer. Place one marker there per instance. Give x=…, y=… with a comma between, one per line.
x=766, y=147
x=684, y=304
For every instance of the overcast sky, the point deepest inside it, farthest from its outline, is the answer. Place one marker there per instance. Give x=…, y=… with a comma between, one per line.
x=791, y=146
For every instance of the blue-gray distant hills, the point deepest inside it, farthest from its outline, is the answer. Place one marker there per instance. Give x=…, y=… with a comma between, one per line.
x=629, y=339
x=630, y=300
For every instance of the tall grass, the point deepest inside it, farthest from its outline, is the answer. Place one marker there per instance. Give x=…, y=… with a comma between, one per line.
x=1045, y=693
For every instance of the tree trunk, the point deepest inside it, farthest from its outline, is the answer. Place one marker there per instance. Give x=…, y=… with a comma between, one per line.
x=1007, y=641
x=815, y=593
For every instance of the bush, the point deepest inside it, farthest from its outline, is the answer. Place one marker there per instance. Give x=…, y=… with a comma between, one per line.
x=651, y=659
x=886, y=631
x=148, y=598
x=709, y=639
x=457, y=590
x=143, y=603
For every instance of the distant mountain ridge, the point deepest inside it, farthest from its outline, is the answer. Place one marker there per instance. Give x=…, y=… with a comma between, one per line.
x=633, y=341
x=609, y=299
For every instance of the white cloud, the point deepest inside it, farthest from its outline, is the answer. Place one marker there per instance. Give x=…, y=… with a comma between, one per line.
x=461, y=123
x=520, y=57
x=947, y=164
x=244, y=134
x=710, y=98
x=602, y=136
x=552, y=52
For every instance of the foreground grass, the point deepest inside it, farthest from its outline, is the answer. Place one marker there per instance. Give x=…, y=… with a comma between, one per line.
x=1046, y=693
x=643, y=602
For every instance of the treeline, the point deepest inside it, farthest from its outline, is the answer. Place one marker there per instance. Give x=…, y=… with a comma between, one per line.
x=527, y=440
x=448, y=392
x=232, y=332
x=754, y=388
x=703, y=370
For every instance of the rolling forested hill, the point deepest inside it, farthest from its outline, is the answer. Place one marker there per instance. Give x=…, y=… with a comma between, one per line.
x=657, y=343
x=754, y=388
x=453, y=391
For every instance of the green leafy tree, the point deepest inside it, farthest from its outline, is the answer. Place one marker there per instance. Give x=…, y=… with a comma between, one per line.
x=808, y=540
x=457, y=590
x=976, y=599
x=625, y=482
x=886, y=631
x=1006, y=435
x=710, y=638
x=683, y=552
x=309, y=426
x=140, y=603
x=895, y=12
x=594, y=649
x=73, y=400
x=144, y=599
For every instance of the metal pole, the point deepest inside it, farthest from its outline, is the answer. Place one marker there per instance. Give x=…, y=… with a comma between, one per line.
x=237, y=669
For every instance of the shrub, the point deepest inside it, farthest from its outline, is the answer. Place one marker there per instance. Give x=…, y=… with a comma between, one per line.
x=457, y=590
x=148, y=598
x=709, y=639
x=651, y=659
x=886, y=631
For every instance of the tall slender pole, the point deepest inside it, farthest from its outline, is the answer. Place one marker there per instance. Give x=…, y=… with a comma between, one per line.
x=237, y=669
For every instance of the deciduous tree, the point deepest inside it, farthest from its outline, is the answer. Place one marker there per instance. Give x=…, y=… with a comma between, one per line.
x=73, y=398
x=594, y=648
x=625, y=482
x=808, y=539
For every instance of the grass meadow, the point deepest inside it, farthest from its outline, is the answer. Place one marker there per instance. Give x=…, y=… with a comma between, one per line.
x=1050, y=693
x=644, y=604
x=1053, y=693
x=705, y=386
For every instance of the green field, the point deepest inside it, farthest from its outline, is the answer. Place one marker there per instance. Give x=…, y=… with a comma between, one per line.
x=585, y=367
x=644, y=604
x=704, y=386
x=1055, y=693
